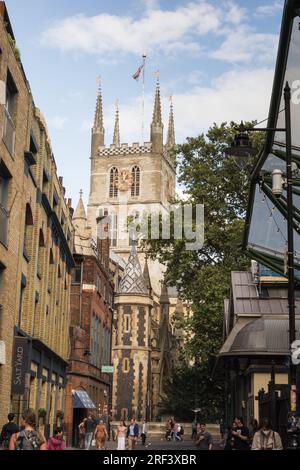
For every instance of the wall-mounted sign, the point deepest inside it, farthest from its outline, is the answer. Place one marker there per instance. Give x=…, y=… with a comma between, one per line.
x=19, y=365
x=107, y=369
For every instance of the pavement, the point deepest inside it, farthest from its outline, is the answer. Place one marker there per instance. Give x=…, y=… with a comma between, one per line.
x=161, y=444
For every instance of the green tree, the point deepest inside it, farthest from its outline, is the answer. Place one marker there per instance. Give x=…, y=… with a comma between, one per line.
x=221, y=183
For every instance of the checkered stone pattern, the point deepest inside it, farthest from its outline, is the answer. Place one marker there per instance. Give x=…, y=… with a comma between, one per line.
x=133, y=280
x=122, y=151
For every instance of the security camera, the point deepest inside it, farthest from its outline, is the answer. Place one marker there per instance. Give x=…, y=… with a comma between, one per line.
x=277, y=183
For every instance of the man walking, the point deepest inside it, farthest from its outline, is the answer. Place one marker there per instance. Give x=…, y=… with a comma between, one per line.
x=132, y=434
x=8, y=430
x=89, y=429
x=204, y=439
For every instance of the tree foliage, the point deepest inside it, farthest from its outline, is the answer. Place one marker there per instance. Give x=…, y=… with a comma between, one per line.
x=221, y=183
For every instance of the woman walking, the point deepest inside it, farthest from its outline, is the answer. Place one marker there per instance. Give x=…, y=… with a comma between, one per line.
x=121, y=435
x=28, y=438
x=100, y=435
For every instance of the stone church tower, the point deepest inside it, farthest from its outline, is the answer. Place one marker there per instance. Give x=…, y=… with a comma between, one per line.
x=129, y=181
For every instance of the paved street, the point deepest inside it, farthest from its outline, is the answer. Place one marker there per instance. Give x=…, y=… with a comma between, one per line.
x=162, y=444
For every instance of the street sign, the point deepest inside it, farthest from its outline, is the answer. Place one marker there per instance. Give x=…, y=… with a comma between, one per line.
x=107, y=369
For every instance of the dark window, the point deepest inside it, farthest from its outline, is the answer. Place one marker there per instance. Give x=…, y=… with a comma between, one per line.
x=113, y=182
x=41, y=254
x=9, y=114
x=264, y=293
x=28, y=232
x=4, y=182
x=76, y=275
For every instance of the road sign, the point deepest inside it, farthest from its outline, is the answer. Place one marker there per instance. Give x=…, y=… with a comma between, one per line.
x=107, y=369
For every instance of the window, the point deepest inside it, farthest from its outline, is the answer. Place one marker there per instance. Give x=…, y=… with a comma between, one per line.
x=135, y=185
x=125, y=365
x=113, y=182
x=3, y=207
x=126, y=323
x=9, y=111
x=41, y=254
x=76, y=275
x=2, y=267
x=98, y=283
x=28, y=232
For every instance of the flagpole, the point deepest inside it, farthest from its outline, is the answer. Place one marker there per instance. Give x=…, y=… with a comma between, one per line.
x=143, y=98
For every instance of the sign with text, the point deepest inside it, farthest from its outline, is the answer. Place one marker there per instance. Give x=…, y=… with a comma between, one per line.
x=107, y=369
x=19, y=365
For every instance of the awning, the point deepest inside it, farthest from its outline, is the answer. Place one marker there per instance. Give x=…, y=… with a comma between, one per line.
x=82, y=400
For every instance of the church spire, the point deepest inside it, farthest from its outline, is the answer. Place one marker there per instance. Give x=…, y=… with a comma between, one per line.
x=116, y=140
x=79, y=216
x=98, y=129
x=171, y=129
x=146, y=275
x=157, y=125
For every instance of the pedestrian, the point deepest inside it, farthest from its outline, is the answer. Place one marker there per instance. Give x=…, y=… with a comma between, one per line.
x=132, y=434
x=144, y=431
x=100, y=435
x=169, y=429
x=222, y=428
x=240, y=435
x=89, y=426
x=194, y=430
x=266, y=438
x=204, y=439
x=121, y=435
x=229, y=437
x=81, y=434
x=109, y=420
x=177, y=432
x=28, y=438
x=8, y=430
x=56, y=442
x=253, y=428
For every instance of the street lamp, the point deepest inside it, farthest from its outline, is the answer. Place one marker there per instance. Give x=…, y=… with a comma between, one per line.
x=241, y=147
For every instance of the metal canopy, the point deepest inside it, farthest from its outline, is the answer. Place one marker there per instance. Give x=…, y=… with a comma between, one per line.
x=265, y=237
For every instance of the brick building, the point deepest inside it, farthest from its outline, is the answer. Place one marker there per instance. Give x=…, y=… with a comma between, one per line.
x=90, y=326
x=36, y=240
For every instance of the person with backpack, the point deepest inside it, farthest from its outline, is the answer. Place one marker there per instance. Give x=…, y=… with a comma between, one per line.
x=28, y=438
x=266, y=438
x=8, y=430
x=56, y=442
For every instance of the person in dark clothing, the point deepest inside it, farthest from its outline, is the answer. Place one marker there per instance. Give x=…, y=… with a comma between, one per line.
x=89, y=426
x=194, y=430
x=204, y=438
x=240, y=435
x=8, y=430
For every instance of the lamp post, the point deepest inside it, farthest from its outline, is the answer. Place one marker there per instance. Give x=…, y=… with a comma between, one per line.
x=242, y=146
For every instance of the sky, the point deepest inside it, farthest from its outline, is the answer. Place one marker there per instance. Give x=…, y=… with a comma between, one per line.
x=215, y=57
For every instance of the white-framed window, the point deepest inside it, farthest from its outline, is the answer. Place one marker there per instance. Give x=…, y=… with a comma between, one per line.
x=136, y=177
x=113, y=182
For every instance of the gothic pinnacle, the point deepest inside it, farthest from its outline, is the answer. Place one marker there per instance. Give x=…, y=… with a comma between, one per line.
x=157, y=120
x=98, y=121
x=171, y=129
x=116, y=140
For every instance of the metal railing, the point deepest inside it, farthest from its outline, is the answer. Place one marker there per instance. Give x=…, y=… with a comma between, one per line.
x=3, y=225
x=9, y=132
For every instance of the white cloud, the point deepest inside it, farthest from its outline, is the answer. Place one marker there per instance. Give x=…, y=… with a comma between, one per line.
x=245, y=45
x=269, y=10
x=157, y=30
x=57, y=122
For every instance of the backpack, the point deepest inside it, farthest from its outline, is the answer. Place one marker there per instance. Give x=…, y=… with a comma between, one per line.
x=28, y=440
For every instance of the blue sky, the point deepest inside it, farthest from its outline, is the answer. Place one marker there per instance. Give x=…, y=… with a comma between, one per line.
x=215, y=57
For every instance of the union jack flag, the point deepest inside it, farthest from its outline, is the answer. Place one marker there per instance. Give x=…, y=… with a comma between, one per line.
x=137, y=74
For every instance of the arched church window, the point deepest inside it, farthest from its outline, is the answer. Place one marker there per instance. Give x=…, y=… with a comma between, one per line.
x=135, y=185
x=113, y=182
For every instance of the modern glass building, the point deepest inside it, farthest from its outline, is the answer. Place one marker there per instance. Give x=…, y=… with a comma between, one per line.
x=265, y=238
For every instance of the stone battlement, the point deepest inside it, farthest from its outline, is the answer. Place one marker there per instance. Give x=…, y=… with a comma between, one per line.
x=125, y=149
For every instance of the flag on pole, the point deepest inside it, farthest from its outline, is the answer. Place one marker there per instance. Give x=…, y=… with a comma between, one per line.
x=137, y=74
